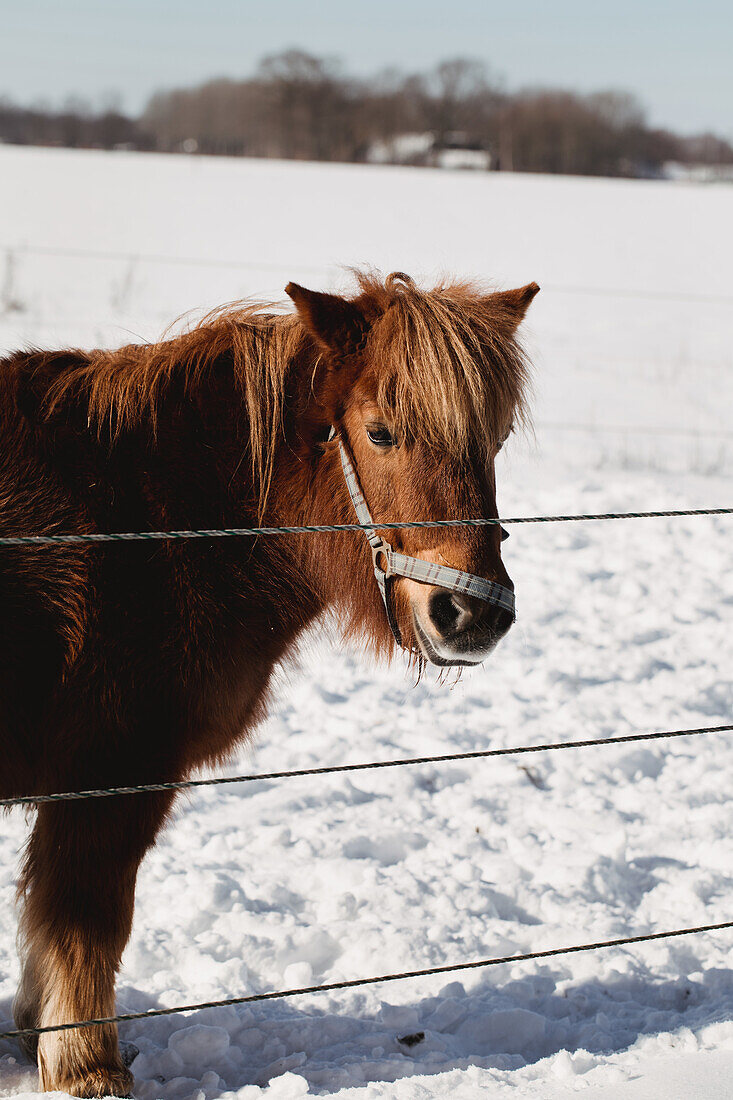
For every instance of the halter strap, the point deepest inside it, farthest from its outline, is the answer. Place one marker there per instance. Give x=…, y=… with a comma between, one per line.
x=390, y=563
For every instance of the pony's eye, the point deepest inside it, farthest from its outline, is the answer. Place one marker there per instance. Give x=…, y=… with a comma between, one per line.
x=380, y=436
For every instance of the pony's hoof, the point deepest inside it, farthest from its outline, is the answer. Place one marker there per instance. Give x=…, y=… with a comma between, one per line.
x=128, y=1053
x=100, y=1083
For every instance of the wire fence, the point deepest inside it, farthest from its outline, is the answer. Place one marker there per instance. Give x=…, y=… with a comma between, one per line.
x=121, y=256
x=355, y=983
x=165, y=259
x=29, y=800
x=372, y=765
x=326, y=528
x=352, y=983
x=634, y=429
x=253, y=532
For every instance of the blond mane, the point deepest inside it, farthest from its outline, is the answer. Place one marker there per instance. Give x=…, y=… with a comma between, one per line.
x=449, y=370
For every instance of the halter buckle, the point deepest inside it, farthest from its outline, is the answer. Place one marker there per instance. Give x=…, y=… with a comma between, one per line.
x=381, y=548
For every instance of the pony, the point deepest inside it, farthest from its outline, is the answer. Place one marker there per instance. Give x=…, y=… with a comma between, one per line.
x=128, y=663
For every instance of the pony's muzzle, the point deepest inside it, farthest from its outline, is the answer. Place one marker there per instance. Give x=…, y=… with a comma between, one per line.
x=454, y=628
x=453, y=614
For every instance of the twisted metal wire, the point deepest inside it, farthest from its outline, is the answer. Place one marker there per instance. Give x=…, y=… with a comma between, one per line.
x=332, y=769
x=353, y=983
x=317, y=528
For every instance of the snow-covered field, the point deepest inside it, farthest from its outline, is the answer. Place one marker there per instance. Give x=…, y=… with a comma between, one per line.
x=622, y=627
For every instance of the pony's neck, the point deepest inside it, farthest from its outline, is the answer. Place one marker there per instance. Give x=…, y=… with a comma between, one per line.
x=308, y=488
x=307, y=484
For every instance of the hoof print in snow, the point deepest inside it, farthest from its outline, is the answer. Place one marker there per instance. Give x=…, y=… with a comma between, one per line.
x=411, y=1040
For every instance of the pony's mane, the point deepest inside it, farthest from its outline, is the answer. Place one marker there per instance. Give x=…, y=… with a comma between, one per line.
x=449, y=370
x=124, y=387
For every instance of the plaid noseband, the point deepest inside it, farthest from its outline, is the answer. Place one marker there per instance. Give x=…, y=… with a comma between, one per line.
x=389, y=563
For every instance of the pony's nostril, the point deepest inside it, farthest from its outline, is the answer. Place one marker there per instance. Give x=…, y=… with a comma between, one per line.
x=498, y=620
x=449, y=612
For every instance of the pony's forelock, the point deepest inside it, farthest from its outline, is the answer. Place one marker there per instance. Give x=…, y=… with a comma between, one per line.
x=448, y=372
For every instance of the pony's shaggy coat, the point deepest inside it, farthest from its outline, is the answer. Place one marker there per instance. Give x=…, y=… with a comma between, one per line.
x=134, y=663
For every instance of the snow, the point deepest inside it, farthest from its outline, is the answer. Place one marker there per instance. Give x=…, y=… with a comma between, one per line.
x=623, y=627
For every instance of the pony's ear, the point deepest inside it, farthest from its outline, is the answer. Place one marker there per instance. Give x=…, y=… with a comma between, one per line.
x=510, y=306
x=336, y=324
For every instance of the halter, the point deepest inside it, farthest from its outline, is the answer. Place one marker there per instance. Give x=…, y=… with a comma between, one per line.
x=389, y=563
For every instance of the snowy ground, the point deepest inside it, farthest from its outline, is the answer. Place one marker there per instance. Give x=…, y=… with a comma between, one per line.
x=622, y=627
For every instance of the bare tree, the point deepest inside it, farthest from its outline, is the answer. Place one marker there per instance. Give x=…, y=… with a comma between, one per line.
x=464, y=97
x=308, y=105
x=302, y=106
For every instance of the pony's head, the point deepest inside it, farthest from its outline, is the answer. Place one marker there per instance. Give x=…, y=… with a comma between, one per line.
x=423, y=389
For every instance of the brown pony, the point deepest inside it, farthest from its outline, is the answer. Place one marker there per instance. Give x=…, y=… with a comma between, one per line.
x=138, y=662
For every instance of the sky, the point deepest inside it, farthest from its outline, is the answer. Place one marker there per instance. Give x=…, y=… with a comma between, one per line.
x=675, y=55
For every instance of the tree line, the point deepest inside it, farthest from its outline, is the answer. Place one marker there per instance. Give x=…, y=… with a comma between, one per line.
x=299, y=106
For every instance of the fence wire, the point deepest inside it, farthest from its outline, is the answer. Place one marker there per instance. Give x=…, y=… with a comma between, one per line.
x=372, y=765
x=318, y=528
x=354, y=983
x=698, y=434
x=324, y=270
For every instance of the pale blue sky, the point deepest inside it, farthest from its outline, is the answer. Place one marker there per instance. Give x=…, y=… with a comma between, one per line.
x=675, y=55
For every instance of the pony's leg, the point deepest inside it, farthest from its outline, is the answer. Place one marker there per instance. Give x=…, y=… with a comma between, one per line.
x=27, y=1003
x=78, y=889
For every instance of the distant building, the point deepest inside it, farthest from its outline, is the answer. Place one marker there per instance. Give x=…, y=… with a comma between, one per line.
x=697, y=173
x=401, y=149
x=467, y=157
x=456, y=151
